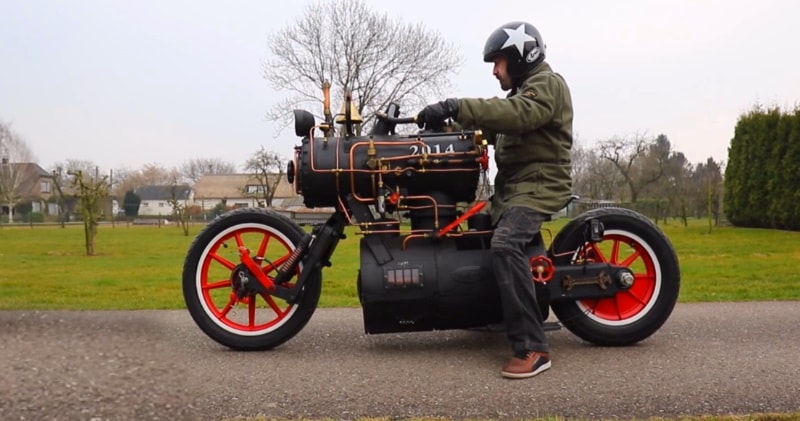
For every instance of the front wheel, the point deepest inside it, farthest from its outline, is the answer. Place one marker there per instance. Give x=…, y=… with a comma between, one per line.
x=250, y=321
x=633, y=241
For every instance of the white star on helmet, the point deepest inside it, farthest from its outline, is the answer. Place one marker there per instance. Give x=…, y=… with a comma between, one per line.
x=517, y=37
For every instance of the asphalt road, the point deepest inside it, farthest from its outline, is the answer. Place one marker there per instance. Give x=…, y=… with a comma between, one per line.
x=727, y=358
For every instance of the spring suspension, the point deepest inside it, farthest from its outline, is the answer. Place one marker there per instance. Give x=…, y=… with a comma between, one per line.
x=290, y=265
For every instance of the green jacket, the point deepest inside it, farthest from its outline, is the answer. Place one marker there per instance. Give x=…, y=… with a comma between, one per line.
x=531, y=131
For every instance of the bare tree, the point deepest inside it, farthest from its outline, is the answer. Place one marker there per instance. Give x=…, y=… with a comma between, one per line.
x=60, y=196
x=629, y=155
x=377, y=58
x=91, y=191
x=266, y=167
x=74, y=165
x=653, y=174
x=592, y=177
x=13, y=151
x=179, y=195
x=59, y=181
x=62, y=179
x=152, y=174
x=581, y=163
x=195, y=168
x=708, y=183
x=62, y=169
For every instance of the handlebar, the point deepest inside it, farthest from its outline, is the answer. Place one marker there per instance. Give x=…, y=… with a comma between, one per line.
x=387, y=120
x=396, y=120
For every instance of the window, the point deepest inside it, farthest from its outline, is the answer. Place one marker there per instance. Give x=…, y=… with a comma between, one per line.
x=44, y=187
x=161, y=204
x=254, y=188
x=36, y=207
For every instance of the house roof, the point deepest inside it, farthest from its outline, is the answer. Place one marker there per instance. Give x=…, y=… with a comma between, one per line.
x=229, y=186
x=31, y=169
x=182, y=192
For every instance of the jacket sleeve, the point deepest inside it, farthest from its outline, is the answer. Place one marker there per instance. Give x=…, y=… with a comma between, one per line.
x=532, y=107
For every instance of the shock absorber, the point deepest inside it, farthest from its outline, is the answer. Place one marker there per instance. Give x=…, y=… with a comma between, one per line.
x=288, y=267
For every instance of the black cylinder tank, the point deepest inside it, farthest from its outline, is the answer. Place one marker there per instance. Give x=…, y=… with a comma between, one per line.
x=328, y=169
x=432, y=285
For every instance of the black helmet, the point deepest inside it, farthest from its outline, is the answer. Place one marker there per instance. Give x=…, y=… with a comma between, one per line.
x=520, y=43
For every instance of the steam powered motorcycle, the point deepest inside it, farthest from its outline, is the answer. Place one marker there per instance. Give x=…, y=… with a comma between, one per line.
x=252, y=277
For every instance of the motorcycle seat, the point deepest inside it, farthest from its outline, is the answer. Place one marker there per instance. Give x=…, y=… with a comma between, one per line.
x=564, y=209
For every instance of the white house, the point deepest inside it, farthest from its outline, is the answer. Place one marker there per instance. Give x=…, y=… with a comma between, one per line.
x=236, y=190
x=156, y=199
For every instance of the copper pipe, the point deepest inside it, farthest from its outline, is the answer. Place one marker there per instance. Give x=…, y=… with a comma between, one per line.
x=361, y=144
x=326, y=105
x=410, y=237
x=467, y=233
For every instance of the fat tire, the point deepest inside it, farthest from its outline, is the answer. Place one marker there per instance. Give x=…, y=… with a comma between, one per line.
x=577, y=321
x=306, y=303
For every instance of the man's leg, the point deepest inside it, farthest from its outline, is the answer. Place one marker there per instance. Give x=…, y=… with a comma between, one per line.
x=524, y=323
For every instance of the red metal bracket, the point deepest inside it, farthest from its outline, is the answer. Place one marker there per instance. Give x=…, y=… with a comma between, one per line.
x=255, y=269
x=471, y=211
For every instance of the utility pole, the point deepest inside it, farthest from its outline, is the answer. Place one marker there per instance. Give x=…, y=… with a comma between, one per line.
x=110, y=186
x=60, y=203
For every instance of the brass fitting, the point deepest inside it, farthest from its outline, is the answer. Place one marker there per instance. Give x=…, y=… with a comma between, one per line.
x=372, y=153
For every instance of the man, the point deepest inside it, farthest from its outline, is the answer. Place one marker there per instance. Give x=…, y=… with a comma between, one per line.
x=531, y=130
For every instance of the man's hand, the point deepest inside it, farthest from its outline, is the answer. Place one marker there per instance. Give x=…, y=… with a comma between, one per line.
x=436, y=113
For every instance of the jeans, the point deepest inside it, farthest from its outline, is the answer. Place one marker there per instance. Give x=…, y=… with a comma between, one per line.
x=524, y=325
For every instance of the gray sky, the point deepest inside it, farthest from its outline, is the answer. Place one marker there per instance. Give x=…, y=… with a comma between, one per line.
x=125, y=83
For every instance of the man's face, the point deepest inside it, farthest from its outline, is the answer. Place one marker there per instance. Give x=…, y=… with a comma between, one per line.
x=500, y=71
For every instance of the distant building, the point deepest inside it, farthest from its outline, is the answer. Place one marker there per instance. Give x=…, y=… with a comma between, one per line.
x=156, y=199
x=236, y=190
x=26, y=183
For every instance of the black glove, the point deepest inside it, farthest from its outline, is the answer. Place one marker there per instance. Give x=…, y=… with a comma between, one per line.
x=436, y=113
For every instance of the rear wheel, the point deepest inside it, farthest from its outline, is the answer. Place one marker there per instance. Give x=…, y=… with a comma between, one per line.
x=251, y=321
x=633, y=241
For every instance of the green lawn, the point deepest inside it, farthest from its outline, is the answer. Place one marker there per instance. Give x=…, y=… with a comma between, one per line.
x=139, y=267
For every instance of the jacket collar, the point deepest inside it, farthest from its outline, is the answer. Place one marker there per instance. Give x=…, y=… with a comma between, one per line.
x=541, y=67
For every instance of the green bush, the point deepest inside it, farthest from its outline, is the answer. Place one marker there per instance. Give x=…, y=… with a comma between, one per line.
x=761, y=176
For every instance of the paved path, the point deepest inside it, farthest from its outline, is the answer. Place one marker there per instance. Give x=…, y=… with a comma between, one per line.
x=148, y=365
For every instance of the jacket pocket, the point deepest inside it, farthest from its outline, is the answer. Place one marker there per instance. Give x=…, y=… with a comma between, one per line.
x=523, y=188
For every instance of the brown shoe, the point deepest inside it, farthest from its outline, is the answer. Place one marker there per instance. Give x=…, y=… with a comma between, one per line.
x=520, y=368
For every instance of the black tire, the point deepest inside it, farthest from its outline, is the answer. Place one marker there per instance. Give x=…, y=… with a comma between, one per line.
x=267, y=320
x=632, y=315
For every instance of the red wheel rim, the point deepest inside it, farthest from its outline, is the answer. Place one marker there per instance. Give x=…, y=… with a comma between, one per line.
x=624, y=249
x=254, y=314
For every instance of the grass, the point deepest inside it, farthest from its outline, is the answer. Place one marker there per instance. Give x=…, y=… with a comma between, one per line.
x=736, y=264
x=139, y=267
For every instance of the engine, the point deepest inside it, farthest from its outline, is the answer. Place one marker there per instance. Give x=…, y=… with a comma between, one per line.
x=425, y=175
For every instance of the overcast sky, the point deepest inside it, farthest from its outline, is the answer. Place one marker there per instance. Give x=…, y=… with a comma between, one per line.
x=125, y=83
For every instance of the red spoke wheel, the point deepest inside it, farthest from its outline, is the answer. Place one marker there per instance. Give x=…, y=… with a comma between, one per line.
x=623, y=248
x=633, y=241
x=214, y=295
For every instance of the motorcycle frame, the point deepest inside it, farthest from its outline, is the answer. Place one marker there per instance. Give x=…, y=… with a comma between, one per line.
x=576, y=281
